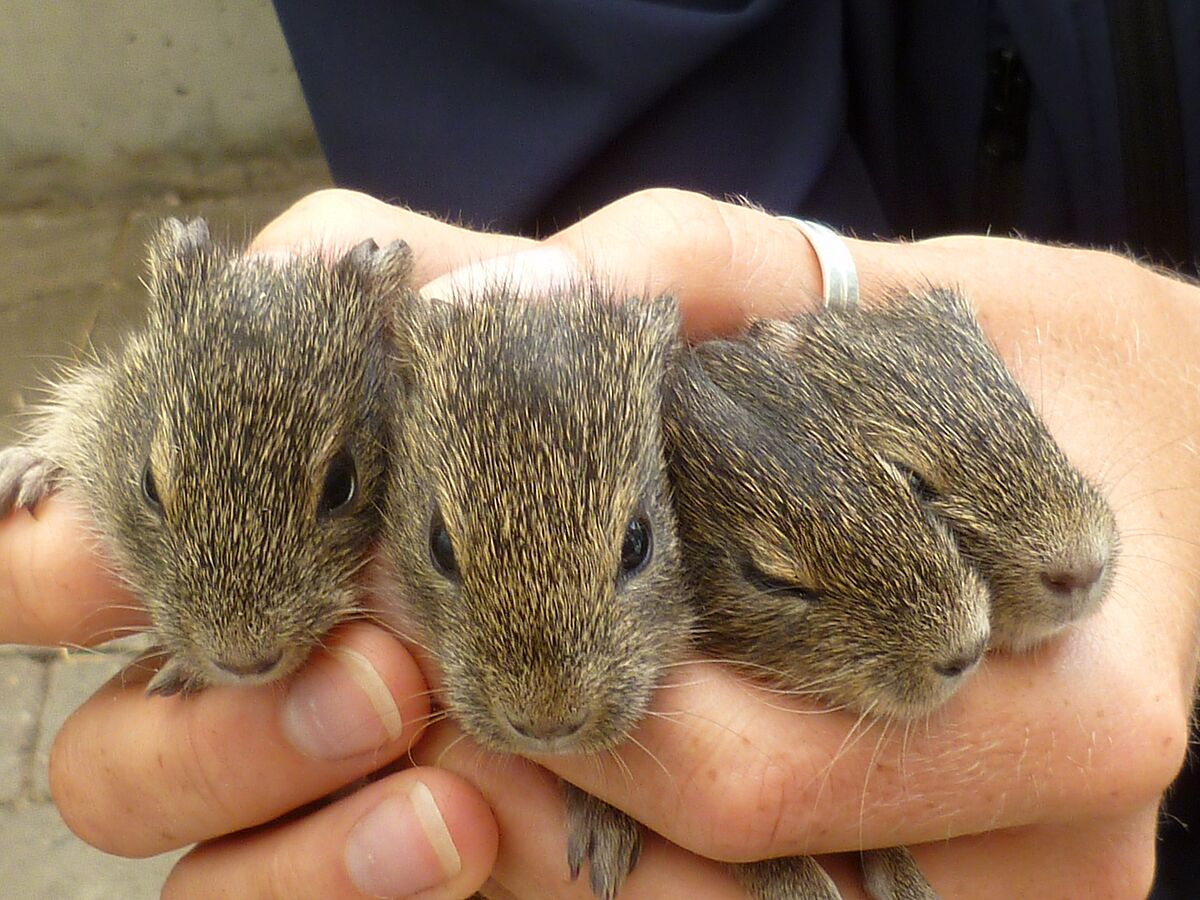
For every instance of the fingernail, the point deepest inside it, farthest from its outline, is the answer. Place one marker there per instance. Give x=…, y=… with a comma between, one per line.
x=402, y=846
x=527, y=272
x=339, y=707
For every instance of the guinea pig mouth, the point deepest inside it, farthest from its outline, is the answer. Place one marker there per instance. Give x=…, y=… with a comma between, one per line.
x=252, y=668
x=578, y=730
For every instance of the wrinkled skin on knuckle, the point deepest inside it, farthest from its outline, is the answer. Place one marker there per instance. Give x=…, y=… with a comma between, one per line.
x=742, y=805
x=90, y=793
x=689, y=230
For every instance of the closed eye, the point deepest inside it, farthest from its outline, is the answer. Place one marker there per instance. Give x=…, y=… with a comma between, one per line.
x=920, y=487
x=772, y=584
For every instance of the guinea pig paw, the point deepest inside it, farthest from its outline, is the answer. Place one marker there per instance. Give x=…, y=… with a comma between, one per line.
x=608, y=839
x=786, y=878
x=892, y=874
x=173, y=678
x=25, y=477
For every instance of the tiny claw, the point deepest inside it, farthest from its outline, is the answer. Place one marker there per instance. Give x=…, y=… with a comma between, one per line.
x=25, y=478
x=893, y=874
x=173, y=679
x=610, y=841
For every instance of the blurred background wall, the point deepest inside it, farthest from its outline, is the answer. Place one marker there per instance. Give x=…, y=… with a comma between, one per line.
x=104, y=96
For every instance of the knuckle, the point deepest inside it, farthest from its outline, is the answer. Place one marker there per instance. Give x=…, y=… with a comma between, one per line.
x=685, y=229
x=202, y=779
x=744, y=806
x=284, y=875
x=82, y=788
x=329, y=200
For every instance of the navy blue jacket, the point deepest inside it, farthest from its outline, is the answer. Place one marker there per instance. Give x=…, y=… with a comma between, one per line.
x=1062, y=120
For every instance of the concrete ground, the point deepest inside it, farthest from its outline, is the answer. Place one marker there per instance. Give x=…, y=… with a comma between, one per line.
x=69, y=278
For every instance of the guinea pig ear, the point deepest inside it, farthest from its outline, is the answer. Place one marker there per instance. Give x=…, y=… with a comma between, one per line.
x=779, y=335
x=384, y=271
x=409, y=317
x=700, y=420
x=177, y=249
x=658, y=318
x=689, y=395
x=938, y=301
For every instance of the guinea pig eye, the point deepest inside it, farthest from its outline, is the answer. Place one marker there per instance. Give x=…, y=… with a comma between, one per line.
x=772, y=584
x=340, y=487
x=920, y=486
x=150, y=490
x=441, y=548
x=636, y=547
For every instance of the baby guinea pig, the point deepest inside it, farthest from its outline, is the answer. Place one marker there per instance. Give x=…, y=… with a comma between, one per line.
x=809, y=556
x=232, y=452
x=812, y=562
x=927, y=389
x=530, y=527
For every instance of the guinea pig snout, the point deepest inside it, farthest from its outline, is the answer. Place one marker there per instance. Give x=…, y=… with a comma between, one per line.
x=550, y=725
x=243, y=665
x=548, y=729
x=959, y=663
x=1077, y=578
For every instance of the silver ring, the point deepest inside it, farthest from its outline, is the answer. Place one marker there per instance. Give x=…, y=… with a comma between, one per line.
x=839, y=276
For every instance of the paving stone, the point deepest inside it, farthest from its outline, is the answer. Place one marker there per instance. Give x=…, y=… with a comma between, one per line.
x=42, y=860
x=22, y=685
x=72, y=679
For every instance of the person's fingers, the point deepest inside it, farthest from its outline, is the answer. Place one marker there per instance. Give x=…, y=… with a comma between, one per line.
x=723, y=262
x=137, y=775
x=1097, y=857
x=1102, y=345
x=529, y=807
x=335, y=219
x=420, y=833
x=803, y=780
x=55, y=587
x=1101, y=856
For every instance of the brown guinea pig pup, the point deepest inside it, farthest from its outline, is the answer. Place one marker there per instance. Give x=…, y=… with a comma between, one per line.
x=232, y=452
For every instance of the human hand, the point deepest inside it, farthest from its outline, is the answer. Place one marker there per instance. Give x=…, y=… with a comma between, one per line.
x=136, y=775
x=1049, y=768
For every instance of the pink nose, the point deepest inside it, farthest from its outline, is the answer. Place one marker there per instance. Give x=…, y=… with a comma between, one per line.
x=1073, y=579
x=961, y=662
x=546, y=729
x=245, y=668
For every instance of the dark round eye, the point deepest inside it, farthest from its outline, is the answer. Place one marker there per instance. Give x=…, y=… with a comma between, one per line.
x=341, y=485
x=635, y=549
x=441, y=549
x=150, y=490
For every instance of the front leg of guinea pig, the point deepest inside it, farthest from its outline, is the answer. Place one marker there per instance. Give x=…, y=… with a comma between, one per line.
x=893, y=874
x=608, y=839
x=889, y=874
x=786, y=878
x=25, y=477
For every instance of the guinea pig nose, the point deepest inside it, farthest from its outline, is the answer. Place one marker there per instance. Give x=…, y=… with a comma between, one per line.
x=245, y=668
x=962, y=662
x=1074, y=578
x=546, y=729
